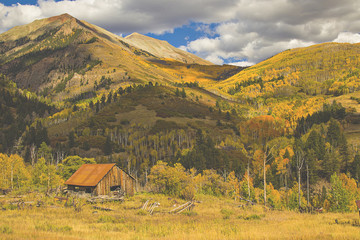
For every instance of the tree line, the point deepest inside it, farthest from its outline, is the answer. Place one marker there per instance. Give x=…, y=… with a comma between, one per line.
x=19, y=110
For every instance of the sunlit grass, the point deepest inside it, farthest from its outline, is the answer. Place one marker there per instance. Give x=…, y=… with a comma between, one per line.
x=212, y=218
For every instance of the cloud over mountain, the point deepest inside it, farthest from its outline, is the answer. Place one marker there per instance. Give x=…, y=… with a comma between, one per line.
x=124, y=16
x=245, y=30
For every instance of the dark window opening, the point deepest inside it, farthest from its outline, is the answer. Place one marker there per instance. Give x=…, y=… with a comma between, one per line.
x=88, y=190
x=114, y=188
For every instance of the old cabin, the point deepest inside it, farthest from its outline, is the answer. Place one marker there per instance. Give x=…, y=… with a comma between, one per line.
x=100, y=179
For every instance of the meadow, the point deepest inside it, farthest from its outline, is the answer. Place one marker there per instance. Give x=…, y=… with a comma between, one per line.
x=211, y=218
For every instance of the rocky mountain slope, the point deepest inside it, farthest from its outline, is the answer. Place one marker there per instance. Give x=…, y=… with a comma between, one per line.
x=163, y=49
x=61, y=57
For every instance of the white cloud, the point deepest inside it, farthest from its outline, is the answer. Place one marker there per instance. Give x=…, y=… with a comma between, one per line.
x=206, y=29
x=347, y=37
x=263, y=28
x=214, y=59
x=123, y=16
x=17, y=15
x=245, y=29
x=242, y=64
x=234, y=45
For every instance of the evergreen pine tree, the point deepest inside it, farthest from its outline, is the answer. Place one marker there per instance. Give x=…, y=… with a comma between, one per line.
x=108, y=148
x=97, y=106
x=183, y=93
x=334, y=133
x=71, y=139
x=109, y=97
x=91, y=105
x=355, y=168
x=227, y=116
x=103, y=100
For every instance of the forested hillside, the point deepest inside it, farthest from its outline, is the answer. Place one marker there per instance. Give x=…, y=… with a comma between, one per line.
x=329, y=68
x=138, y=126
x=270, y=133
x=19, y=109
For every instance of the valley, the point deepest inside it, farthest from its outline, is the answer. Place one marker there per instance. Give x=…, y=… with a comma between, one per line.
x=283, y=134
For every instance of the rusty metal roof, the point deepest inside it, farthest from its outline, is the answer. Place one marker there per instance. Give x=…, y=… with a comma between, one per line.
x=89, y=174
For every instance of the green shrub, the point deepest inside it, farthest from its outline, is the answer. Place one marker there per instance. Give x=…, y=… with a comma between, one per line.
x=125, y=122
x=343, y=193
x=213, y=184
x=109, y=219
x=142, y=212
x=60, y=87
x=53, y=228
x=173, y=181
x=226, y=213
x=189, y=213
x=10, y=207
x=252, y=217
x=6, y=229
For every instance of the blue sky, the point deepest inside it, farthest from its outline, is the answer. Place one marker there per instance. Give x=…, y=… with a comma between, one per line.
x=239, y=32
x=24, y=2
x=10, y=2
x=180, y=36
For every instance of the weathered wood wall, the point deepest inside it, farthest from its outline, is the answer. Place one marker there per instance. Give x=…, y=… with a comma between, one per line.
x=127, y=183
x=115, y=177
x=112, y=178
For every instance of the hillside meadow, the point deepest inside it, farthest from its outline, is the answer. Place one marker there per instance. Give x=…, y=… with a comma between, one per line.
x=211, y=218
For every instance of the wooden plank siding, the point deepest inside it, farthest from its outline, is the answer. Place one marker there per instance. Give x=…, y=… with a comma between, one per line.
x=115, y=177
x=127, y=183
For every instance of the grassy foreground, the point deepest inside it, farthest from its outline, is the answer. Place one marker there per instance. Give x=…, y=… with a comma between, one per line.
x=212, y=218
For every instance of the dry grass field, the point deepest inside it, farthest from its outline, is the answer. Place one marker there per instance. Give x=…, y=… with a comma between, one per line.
x=212, y=218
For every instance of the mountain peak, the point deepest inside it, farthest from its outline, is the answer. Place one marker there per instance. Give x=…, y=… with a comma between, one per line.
x=163, y=49
x=37, y=27
x=64, y=16
x=134, y=34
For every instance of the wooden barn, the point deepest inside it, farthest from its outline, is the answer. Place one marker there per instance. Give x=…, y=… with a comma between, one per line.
x=100, y=179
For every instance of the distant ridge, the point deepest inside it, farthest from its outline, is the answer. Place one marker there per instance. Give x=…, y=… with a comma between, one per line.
x=163, y=49
x=326, y=68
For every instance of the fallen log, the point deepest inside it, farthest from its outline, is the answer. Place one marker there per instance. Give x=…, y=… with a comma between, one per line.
x=249, y=201
x=60, y=199
x=188, y=205
x=102, y=208
x=179, y=207
x=106, y=199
